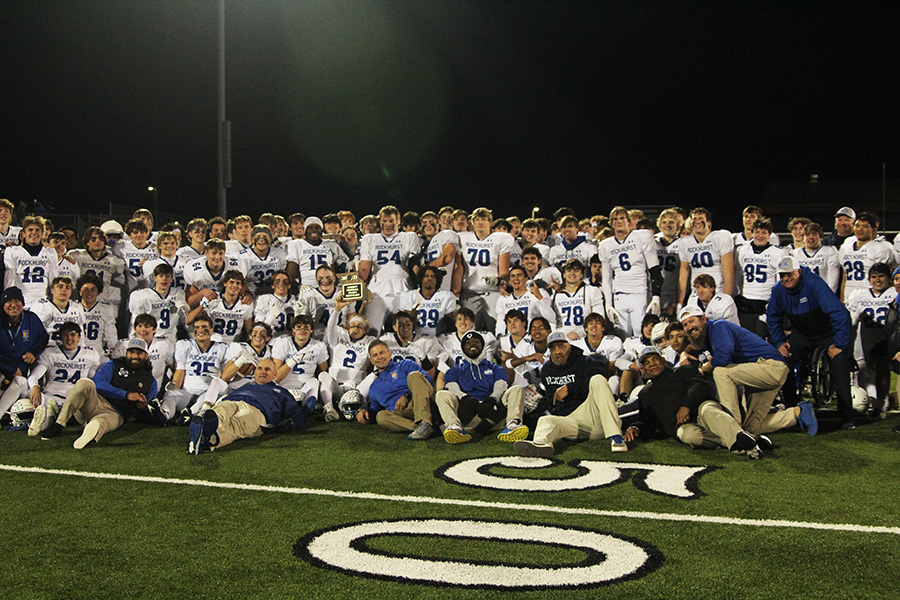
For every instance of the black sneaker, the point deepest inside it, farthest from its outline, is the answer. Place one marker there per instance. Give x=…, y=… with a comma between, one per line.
x=743, y=442
x=764, y=443
x=51, y=432
x=184, y=417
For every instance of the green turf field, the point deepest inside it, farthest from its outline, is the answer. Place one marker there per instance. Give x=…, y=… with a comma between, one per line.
x=161, y=534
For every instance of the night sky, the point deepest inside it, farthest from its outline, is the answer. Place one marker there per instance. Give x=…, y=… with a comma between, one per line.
x=506, y=104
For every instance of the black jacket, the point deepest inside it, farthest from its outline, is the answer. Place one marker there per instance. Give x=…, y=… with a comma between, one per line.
x=660, y=400
x=575, y=374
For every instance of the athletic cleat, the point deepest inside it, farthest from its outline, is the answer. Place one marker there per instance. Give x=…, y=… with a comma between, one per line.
x=807, y=418
x=52, y=431
x=210, y=428
x=38, y=420
x=423, y=431
x=196, y=443
x=154, y=407
x=532, y=449
x=617, y=444
x=848, y=425
x=513, y=433
x=185, y=417
x=765, y=443
x=743, y=442
x=91, y=429
x=456, y=436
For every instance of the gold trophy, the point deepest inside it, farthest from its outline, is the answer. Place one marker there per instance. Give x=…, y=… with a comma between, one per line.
x=352, y=287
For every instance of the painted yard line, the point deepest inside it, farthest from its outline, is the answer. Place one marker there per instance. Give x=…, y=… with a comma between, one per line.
x=473, y=503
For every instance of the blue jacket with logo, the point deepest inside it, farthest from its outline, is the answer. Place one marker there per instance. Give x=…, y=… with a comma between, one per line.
x=814, y=311
x=15, y=340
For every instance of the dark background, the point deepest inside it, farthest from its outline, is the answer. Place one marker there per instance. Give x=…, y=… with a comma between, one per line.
x=505, y=104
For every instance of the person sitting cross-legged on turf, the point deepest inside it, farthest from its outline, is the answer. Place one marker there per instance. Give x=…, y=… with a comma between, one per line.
x=680, y=402
x=22, y=339
x=583, y=405
x=476, y=394
x=400, y=396
x=118, y=390
x=253, y=409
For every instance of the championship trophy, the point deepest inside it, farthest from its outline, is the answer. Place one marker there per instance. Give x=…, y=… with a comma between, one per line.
x=352, y=287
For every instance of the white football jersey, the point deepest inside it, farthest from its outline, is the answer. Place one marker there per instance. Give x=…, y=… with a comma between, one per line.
x=626, y=263
x=706, y=257
x=572, y=308
x=389, y=255
x=349, y=359
x=52, y=317
x=109, y=268
x=508, y=345
x=31, y=274
x=856, y=262
x=66, y=268
x=167, y=310
x=532, y=370
x=178, y=263
x=583, y=248
x=481, y=258
x=721, y=306
x=237, y=349
x=62, y=370
x=527, y=304
x=430, y=311
x=308, y=359
x=197, y=274
x=610, y=348
x=259, y=270
x=309, y=258
x=228, y=319
x=275, y=311
x=759, y=270
x=132, y=255
x=199, y=367
x=11, y=236
x=319, y=306
x=823, y=262
x=99, y=332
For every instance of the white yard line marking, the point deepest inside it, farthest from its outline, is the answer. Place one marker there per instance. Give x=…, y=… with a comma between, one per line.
x=473, y=503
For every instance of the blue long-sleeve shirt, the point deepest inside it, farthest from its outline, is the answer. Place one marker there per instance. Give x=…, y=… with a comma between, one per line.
x=390, y=385
x=814, y=310
x=731, y=344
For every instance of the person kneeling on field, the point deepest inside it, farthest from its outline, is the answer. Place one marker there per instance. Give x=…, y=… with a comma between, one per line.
x=475, y=393
x=248, y=412
x=680, y=402
x=583, y=404
x=119, y=389
x=400, y=396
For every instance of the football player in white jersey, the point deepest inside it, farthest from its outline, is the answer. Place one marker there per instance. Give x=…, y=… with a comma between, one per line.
x=239, y=235
x=197, y=362
x=98, y=261
x=602, y=347
x=259, y=262
x=9, y=234
x=230, y=316
x=515, y=254
x=821, y=260
x=164, y=301
x=196, y=234
x=65, y=265
x=706, y=251
x=304, y=256
x=516, y=332
x=242, y=357
x=349, y=359
x=532, y=237
x=60, y=366
x=757, y=263
x=573, y=244
x=441, y=250
x=277, y=309
x=160, y=351
x=713, y=305
x=385, y=261
x=203, y=276
x=532, y=352
x=429, y=304
x=167, y=246
x=797, y=227
x=99, y=318
x=485, y=258
x=631, y=273
x=547, y=278
x=868, y=312
x=860, y=252
x=32, y=266
x=667, y=256
x=59, y=308
x=750, y=215
x=318, y=302
x=575, y=300
x=299, y=359
x=135, y=252
x=531, y=302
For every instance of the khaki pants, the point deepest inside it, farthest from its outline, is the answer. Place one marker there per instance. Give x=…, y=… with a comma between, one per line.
x=448, y=405
x=237, y=420
x=596, y=418
x=84, y=400
x=762, y=379
x=714, y=427
x=419, y=409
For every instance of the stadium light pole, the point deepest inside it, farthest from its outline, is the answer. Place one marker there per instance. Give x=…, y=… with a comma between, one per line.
x=224, y=128
x=535, y=211
x=155, y=200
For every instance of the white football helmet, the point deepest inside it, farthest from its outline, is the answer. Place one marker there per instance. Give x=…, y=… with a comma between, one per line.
x=860, y=399
x=350, y=404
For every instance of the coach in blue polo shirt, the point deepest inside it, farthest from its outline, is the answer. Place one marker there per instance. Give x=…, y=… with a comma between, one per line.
x=740, y=357
x=400, y=397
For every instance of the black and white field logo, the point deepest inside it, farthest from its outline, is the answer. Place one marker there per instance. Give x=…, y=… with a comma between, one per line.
x=665, y=480
x=606, y=558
